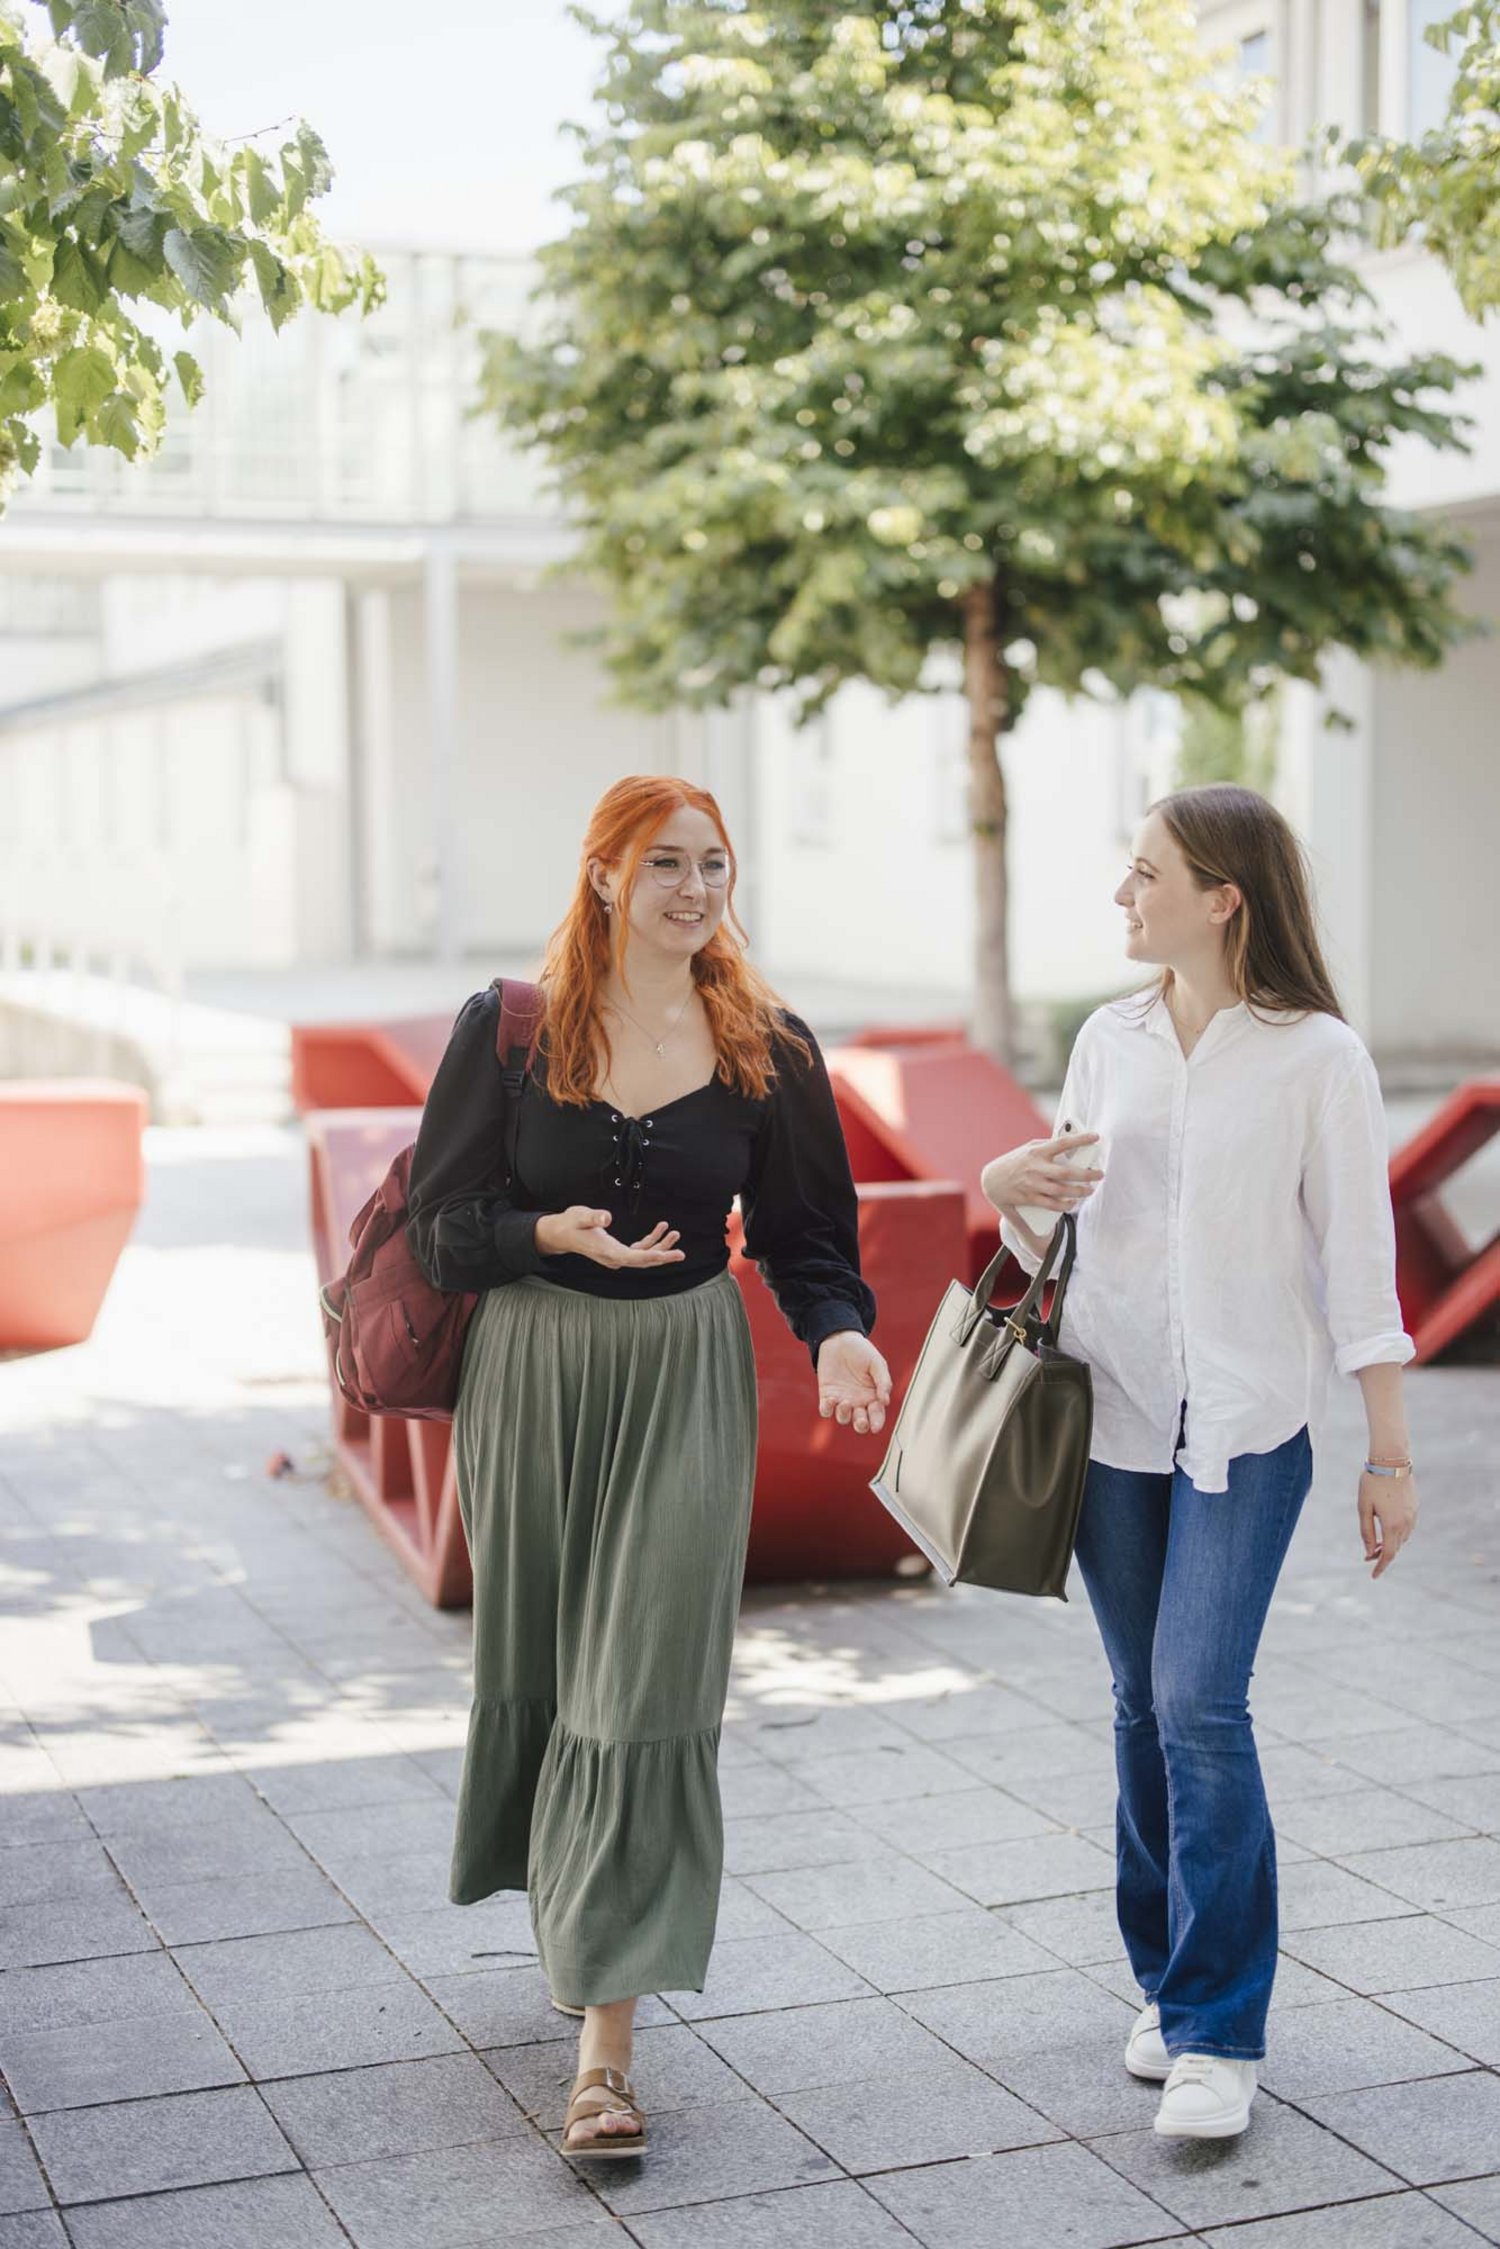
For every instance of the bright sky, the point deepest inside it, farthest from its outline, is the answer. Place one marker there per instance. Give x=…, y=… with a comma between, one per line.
x=443, y=119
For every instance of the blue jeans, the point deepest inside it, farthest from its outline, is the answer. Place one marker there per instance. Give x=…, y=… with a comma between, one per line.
x=1180, y=1582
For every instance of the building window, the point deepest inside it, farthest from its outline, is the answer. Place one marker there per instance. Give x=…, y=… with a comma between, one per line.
x=1370, y=68
x=1252, y=62
x=812, y=783
x=1429, y=72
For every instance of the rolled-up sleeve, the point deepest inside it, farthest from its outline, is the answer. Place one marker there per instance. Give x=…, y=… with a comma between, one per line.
x=1346, y=1196
x=465, y=1231
x=800, y=1207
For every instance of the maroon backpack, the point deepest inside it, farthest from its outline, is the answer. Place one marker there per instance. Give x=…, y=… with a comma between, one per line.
x=396, y=1343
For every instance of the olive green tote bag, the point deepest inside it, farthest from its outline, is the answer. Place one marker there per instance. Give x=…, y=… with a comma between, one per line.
x=987, y=1459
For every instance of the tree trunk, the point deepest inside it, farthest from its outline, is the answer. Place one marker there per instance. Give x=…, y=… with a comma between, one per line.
x=985, y=688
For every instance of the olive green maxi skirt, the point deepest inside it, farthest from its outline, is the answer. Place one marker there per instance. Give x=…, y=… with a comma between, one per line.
x=605, y=1453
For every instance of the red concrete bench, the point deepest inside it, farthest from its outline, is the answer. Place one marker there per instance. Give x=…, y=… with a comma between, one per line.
x=925, y=1104
x=814, y=1515
x=1446, y=1284
x=71, y=1182
x=382, y=1065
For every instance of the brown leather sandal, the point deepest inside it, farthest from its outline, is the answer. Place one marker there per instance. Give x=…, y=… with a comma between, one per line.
x=605, y=2147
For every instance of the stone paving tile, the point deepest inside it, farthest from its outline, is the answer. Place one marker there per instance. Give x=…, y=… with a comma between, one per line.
x=1435, y=2129
x=672, y=2068
x=253, y=1904
x=392, y=2108
x=154, y=1807
x=338, y=1782
x=750, y=1791
x=1285, y=2161
x=1418, y=1754
x=152, y=2146
x=453, y=1940
x=1032, y=2198
x=512, y=2007
x=1009, y=1760
x=36, y=2229
x=877, y=1886
x=494, y=2190
x=39, y=1873
x=785, y=1841
x=1409, y=1955
x=44, y=1816
x=800, y=2047
x=1362, y=1819
x=1477, y=2202
x=919, y=1952
x=979, y=1711
x=970, y=1815
x=353, y=1832
x=838, y=2216
x=1317, y=1894
x=283, y=1966
x=880, y=1774
x=1436, y=1876
x=22, y=2186
x=743, y=1914
x=1395, y=2221
x=791, y=1737
x=89, y=1991
x=706, y=2155
x=1043, y=1866
x=1474, y=1801
x=750, y=1975
x=1083, y=1930
x=1352, y=2042
x=115, y=2061
x=993, y=2023
x=276, y=2213
x=1482, y=1921
x=1466, y=2015
x=930, y=2114
x=1080, y=2085
x=324, y=2030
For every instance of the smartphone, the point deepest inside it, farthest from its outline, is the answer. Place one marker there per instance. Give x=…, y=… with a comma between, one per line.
x=1040, y=1221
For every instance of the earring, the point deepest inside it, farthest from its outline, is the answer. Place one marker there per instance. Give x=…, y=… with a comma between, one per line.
x=608, y=908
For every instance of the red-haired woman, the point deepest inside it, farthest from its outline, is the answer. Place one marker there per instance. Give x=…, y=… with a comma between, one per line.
x=605, y=1428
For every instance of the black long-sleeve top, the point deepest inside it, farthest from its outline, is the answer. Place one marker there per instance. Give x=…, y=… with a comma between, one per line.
x=784, y=1156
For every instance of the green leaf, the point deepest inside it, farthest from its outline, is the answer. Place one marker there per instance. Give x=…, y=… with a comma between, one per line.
x=78, y=277
x=115, y=424
x=82, y=380
x=279, y=292
x=101, y=29
x=189, y=375
x=262, y=195
x=133, y=276
x=206, y=261
x=12, y=273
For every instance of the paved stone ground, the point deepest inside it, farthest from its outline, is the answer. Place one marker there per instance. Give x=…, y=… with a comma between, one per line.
x=237, y=2013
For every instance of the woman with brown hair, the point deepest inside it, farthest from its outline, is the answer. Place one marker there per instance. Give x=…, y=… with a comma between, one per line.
x=1235, y=1247
x=606, y=1418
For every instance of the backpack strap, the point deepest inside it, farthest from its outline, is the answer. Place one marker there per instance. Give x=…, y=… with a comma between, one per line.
x=521, y=1009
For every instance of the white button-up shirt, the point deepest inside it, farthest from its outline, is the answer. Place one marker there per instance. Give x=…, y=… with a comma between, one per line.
x=1240, y=1244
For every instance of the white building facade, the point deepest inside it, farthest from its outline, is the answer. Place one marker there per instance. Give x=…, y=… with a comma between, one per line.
x=304, y=691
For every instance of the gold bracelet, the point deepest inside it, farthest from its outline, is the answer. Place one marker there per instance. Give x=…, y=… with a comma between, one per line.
x=1396, y=1469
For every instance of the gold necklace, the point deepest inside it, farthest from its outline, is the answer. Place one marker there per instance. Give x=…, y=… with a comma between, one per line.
x=661, y=1043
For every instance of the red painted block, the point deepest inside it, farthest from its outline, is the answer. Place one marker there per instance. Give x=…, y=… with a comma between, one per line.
x=380, y=1065
x=71, y=1181
x=1446, y=1284
x=938, y=1109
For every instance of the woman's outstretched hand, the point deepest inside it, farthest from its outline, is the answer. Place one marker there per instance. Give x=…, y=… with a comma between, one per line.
x=854, y=1382
x=581, y=1232
x=1387, y=1517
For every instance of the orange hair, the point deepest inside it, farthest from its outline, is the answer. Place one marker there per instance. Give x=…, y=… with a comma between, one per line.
x=744, y=1013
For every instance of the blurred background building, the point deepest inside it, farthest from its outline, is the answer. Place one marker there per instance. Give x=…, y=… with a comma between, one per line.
x=295, y=718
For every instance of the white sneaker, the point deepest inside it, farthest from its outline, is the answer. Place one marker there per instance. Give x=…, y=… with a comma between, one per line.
x=1145, y=2053
x=1207, y=2097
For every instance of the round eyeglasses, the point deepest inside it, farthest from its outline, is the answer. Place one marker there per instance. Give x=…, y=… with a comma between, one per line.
x=670, y=869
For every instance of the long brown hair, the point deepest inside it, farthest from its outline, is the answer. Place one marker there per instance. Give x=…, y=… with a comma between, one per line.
x=1272, y=949
x=744, y=1013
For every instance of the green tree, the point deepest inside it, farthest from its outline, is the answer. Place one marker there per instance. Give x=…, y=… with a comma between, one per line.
x=113, y=202
x=902, y=324
x=1446, y=187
